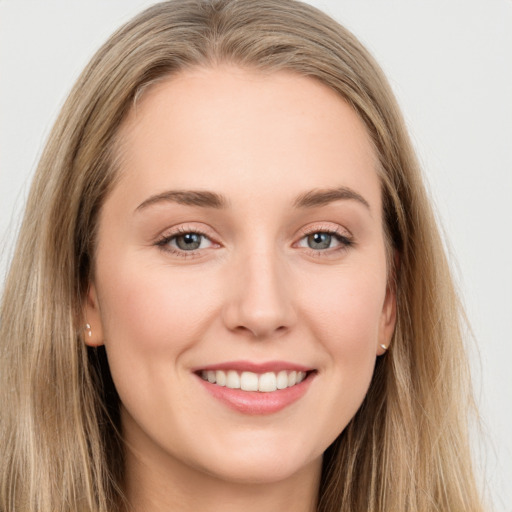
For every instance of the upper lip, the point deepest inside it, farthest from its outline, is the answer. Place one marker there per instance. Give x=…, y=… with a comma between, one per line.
x=249, y=366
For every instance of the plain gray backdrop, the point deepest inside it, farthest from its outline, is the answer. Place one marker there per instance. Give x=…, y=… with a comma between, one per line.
x=450, y=64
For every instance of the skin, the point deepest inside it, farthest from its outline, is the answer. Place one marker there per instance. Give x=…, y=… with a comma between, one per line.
x=255, y=290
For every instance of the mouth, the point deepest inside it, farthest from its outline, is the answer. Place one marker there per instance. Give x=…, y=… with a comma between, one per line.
x=256, y=388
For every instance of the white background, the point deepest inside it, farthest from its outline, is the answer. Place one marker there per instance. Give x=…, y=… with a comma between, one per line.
x=450, y=64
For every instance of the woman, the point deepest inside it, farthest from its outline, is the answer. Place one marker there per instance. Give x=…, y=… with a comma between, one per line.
x=229, y=289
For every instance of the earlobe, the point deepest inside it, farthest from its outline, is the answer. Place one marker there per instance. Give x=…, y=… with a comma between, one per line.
x=92, y=328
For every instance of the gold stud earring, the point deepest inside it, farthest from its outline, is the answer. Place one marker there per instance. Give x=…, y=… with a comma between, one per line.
x=88, y=329
x=384, y=347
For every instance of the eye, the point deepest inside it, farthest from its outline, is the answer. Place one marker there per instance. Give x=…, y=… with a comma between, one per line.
x=323, y=240
x=185, y=241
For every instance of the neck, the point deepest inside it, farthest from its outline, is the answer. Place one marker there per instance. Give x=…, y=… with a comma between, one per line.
x=178, y=487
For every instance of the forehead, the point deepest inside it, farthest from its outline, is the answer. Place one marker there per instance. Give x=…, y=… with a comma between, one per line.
x=242, y=129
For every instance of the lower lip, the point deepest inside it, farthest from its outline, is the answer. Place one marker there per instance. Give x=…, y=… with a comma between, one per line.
x=256, y=402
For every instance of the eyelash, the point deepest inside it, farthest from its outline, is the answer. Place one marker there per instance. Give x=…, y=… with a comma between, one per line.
x=345, y=241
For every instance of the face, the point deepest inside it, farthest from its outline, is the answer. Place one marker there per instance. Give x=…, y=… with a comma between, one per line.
x=241, y=247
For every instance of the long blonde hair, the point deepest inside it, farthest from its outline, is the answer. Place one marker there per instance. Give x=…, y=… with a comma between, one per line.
x=407, y=447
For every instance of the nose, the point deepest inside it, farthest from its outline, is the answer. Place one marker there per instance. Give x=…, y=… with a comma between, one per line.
x=260, y=301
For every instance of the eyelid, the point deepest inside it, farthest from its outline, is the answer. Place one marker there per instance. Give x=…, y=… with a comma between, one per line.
x=326, y=227
x=183, y=228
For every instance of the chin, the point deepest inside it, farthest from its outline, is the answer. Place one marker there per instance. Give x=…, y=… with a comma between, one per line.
x=252, y=472
x=261, y=464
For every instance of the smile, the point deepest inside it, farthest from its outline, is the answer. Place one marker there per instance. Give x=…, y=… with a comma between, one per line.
x=256, y=388
x=249, y=381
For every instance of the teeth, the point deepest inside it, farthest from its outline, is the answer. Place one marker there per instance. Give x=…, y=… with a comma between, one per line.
x=282, y=380
x=250, y=381
x=233, y=380
x=220, y=378
x=267, y=382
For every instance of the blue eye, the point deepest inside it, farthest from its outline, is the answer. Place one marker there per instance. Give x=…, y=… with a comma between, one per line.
x=186, y=241
x=323, y=240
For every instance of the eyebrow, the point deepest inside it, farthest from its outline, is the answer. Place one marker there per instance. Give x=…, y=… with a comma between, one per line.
x=200, y=198
x=207, y=199
x=322, y=197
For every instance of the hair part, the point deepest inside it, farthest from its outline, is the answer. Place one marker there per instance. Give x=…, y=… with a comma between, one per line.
x=407, y=446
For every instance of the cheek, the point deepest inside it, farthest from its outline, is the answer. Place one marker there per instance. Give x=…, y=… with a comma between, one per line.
x=150, y=315
x=347, y=314
x=344, y=320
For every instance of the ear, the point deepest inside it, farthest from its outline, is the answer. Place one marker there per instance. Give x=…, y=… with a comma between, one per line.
x=388, y=316
x=93, y=329
x=387, y=320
